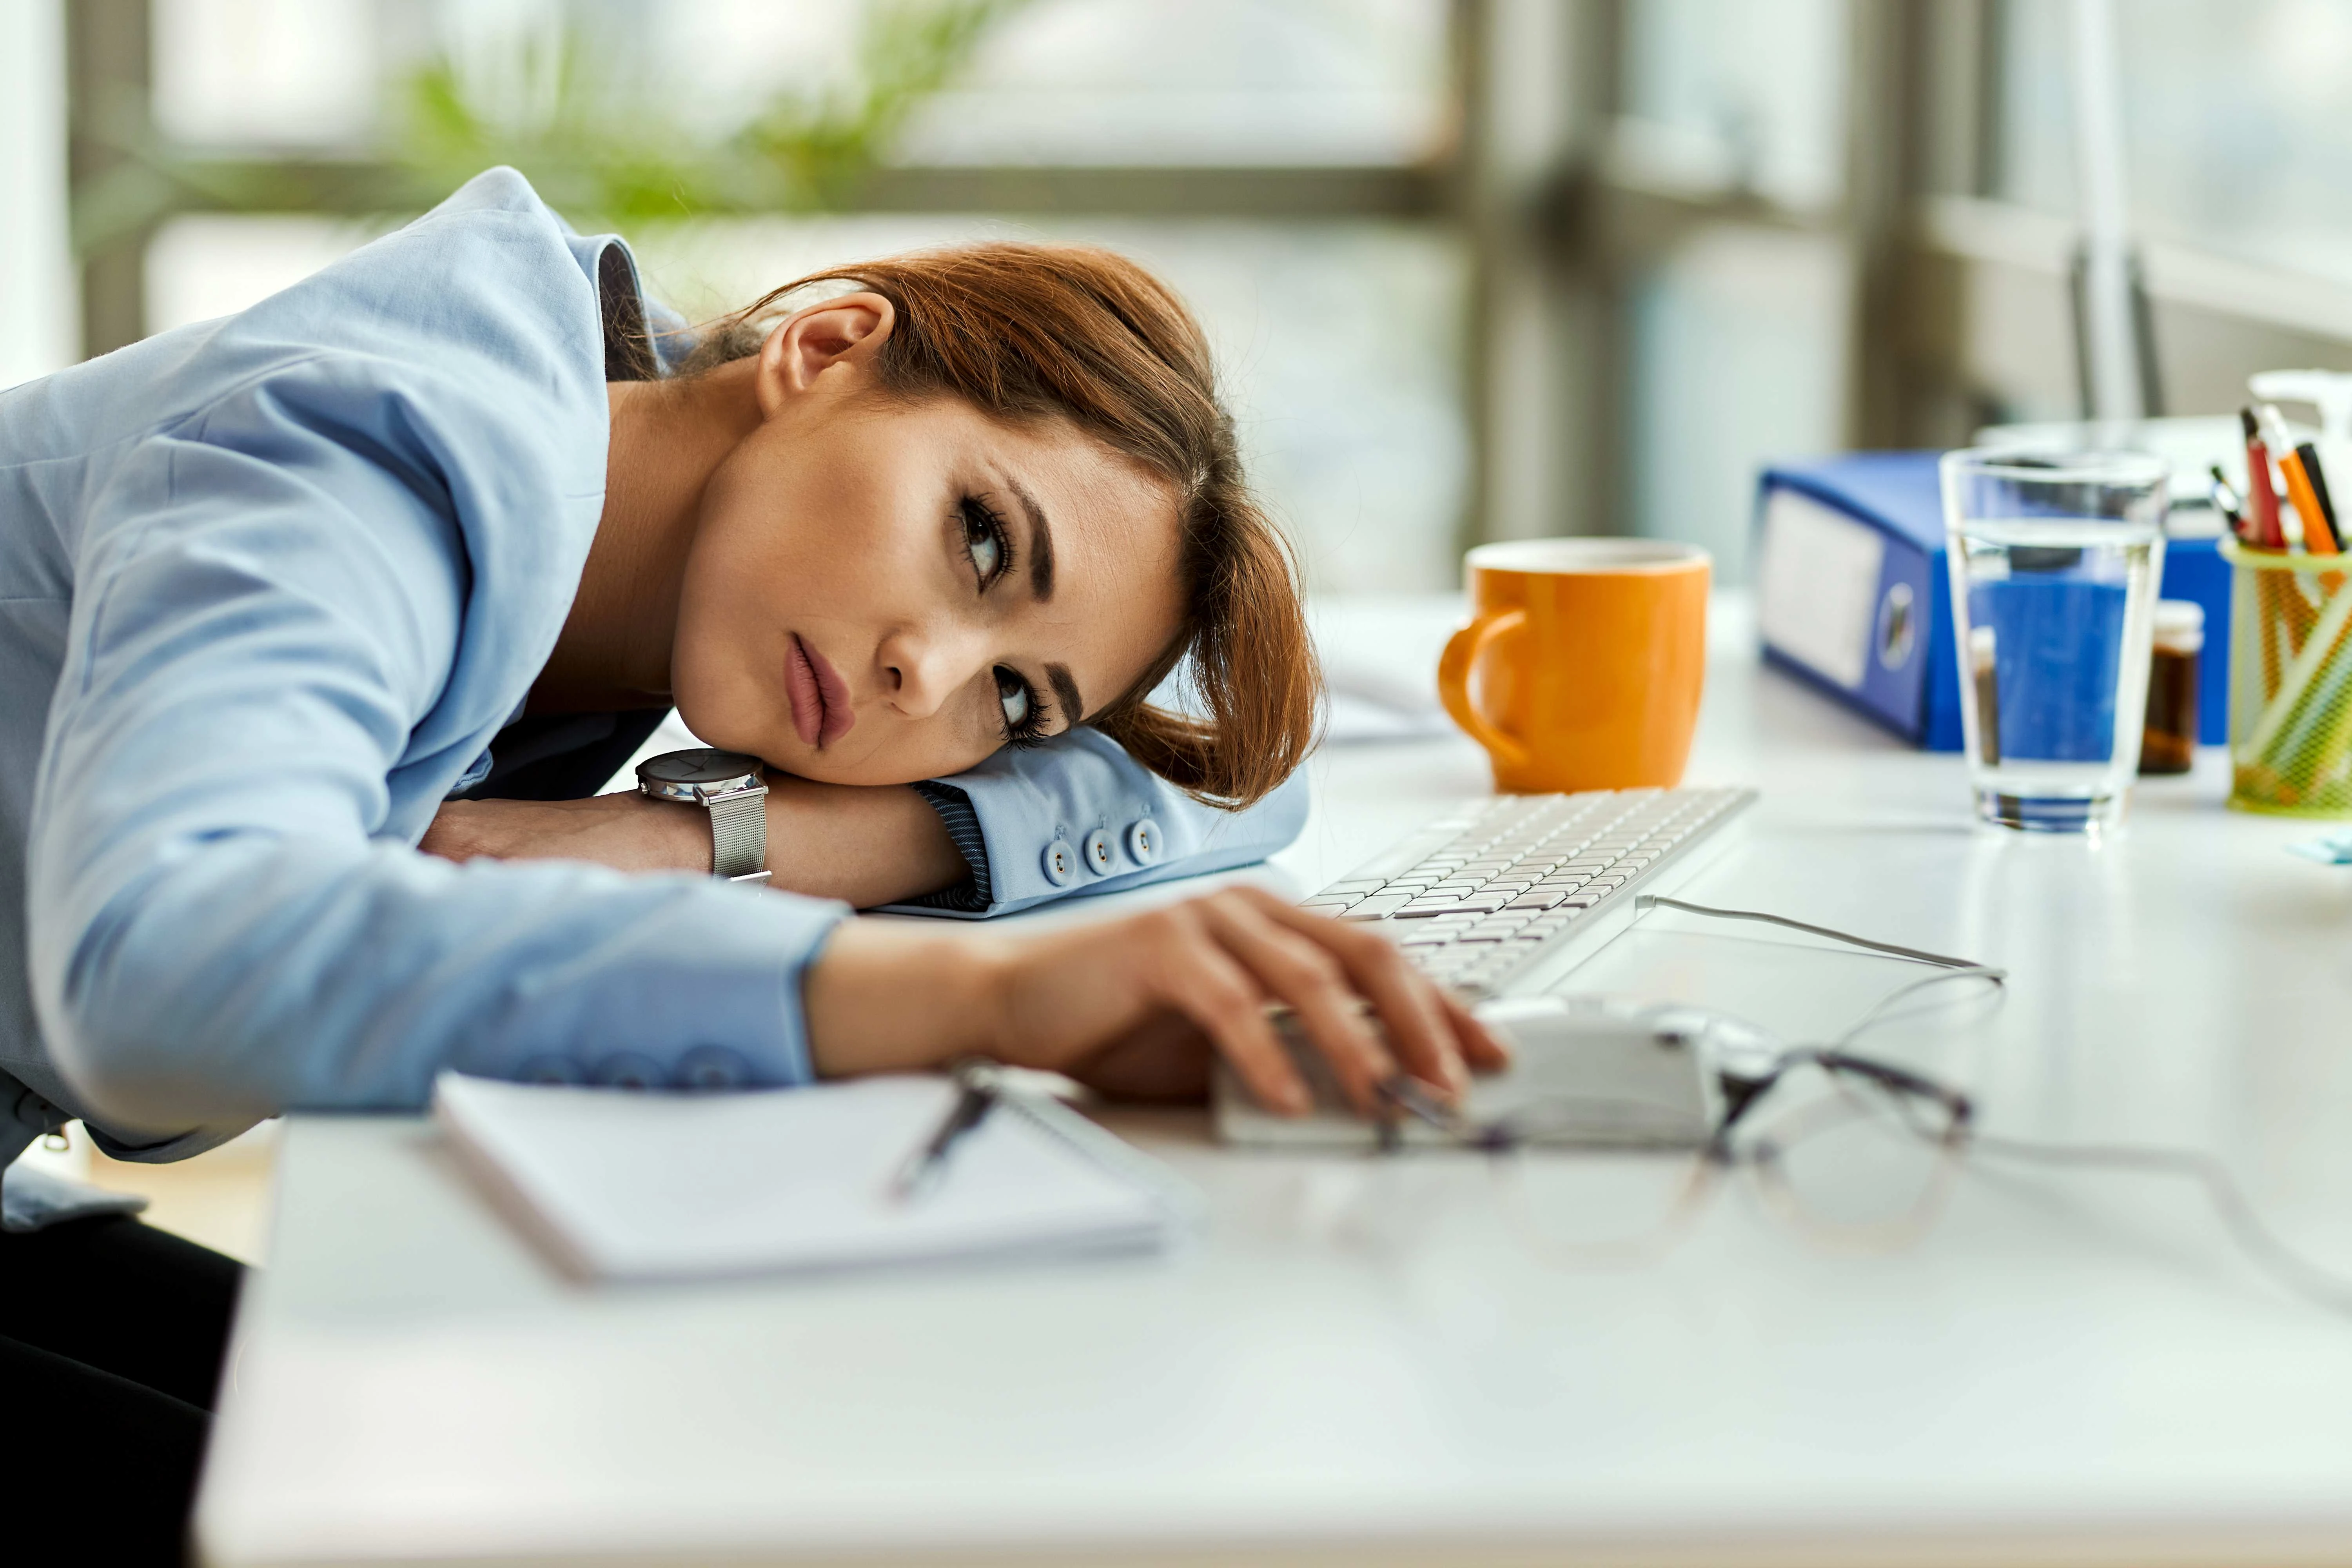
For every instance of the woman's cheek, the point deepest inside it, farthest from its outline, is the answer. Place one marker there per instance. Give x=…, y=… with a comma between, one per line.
x=929, y=749
x=725, y=704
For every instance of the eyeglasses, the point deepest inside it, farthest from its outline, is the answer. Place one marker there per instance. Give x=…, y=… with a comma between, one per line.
x=1865, y=1160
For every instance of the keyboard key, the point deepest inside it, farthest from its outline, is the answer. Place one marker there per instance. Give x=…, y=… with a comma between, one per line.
x=1359, y=888
x=1581, y=901
x=1480, y=903
x=1380, y=907
x=1327, y=906
x=1541, y=898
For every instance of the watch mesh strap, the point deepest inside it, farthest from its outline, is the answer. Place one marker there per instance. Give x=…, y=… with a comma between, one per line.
x=739, y=835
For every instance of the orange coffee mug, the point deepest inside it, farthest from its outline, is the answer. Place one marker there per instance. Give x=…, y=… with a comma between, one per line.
x=1588, y=656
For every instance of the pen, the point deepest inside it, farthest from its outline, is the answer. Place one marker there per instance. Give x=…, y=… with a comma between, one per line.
x=2309, y=453
x=2318, y=539
x=2224, y=499
x=2261, y=501
x=922, y=1168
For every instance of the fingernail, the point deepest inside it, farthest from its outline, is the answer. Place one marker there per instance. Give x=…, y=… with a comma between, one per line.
x=1295, y=1100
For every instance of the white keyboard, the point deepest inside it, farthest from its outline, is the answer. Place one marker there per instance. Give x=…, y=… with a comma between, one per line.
x=1514, y=892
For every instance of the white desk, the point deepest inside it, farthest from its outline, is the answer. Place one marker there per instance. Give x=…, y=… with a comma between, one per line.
x=1363, y=1362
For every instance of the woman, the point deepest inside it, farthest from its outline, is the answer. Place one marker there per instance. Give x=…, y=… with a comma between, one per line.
x=422, y=547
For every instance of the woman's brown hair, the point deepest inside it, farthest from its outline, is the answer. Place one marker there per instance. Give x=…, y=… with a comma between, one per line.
x=1034, y=332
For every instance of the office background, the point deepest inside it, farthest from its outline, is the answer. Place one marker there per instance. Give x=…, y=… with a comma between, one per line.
x=1479, y=267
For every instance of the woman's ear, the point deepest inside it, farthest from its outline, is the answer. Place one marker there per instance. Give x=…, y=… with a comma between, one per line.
x=847, y=331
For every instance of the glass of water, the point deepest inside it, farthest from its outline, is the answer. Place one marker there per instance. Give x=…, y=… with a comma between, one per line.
x=2054, y=561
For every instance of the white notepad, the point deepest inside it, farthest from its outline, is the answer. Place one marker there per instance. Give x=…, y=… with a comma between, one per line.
x=625, y=1186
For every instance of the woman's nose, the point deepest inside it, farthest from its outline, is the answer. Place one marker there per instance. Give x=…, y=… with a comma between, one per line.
x=920, y=670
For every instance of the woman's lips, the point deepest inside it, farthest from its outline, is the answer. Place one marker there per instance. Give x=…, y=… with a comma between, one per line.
x=820, y=697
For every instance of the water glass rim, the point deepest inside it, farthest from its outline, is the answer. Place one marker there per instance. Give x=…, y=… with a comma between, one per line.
x=2032, y=464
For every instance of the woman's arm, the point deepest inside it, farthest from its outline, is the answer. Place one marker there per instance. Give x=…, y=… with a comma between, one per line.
x=1138, y=1003
x=1136, y=1006
x=877, y=846
x=861, y=845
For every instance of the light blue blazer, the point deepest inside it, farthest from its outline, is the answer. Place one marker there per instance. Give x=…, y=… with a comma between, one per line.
x=269, y=587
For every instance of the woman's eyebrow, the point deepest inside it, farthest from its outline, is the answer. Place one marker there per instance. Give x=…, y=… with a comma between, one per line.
x=1041, y=543
x=1067, y=690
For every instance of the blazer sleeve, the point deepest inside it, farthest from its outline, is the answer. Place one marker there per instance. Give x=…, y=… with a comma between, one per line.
x=226, y=923
x=1078, y=815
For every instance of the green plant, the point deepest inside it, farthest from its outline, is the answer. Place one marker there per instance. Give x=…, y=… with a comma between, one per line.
x=600, y=152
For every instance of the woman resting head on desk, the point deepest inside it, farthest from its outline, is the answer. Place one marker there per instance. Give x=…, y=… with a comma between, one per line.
x=957, y=503
x=415, y=554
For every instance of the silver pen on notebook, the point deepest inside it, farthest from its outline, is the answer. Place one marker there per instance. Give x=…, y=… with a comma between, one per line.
x=920, y=1170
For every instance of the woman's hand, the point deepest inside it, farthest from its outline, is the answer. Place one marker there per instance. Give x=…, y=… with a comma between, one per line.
x=1126, y=1003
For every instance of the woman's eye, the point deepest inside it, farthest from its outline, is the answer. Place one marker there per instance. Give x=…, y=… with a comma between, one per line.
x=983, y=543
x=1012, y=696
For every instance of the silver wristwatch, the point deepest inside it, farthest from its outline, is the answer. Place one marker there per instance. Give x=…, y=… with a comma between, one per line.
x=731, y=785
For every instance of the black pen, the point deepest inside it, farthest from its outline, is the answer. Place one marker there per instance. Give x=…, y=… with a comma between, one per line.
x=922, y=1168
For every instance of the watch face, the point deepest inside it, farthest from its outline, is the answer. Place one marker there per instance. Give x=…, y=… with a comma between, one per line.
x=704, y=765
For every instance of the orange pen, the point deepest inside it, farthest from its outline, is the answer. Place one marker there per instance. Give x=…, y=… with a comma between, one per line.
x=2317, y=537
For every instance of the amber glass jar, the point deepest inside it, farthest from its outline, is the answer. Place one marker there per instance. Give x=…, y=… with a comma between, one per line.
x=2169, y=746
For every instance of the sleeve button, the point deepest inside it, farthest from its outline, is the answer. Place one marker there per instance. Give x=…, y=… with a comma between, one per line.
x=712, y=1067
x=1143, y=841
x=1100, y=856
x=630, y=1069
x=1061, y=863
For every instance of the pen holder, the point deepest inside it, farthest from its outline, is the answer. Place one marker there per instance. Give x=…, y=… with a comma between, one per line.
x=2290, y=682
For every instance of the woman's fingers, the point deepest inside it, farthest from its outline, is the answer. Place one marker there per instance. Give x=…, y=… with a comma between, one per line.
x=1209, y=984
x=1423, y=1032
x=1310, y=979
x=1483, y=1048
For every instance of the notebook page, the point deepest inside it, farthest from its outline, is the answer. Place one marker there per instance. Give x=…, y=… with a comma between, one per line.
x=633, y=1185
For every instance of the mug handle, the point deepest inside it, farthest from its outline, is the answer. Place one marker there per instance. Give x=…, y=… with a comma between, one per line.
x=1461, y=656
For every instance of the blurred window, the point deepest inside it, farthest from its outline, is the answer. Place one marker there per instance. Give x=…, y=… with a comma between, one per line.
x=2238, y=123
x=1736, y=96
x=1346, y=83
x=1737, y=335
x=266, y=73
x=1738, y=346
x=1200, y=81
x=1122, y=81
